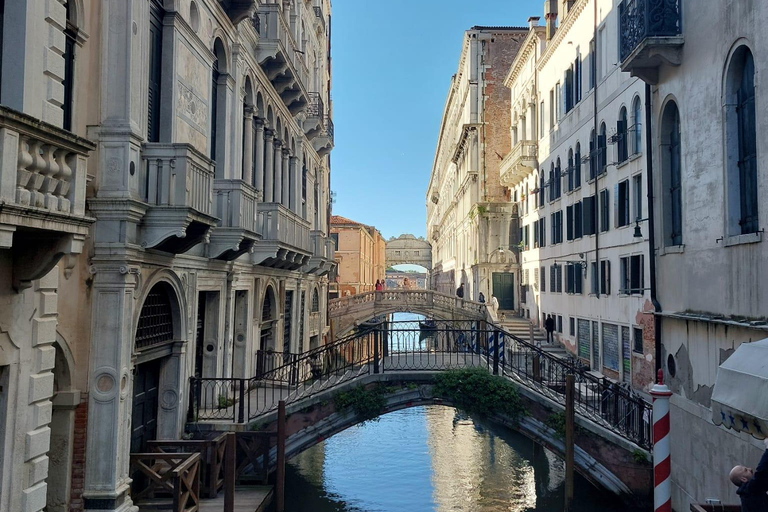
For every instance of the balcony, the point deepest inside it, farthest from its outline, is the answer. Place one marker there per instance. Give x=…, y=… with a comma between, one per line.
x=313, y=124
x=650, y=36
x=178, y=187
x=285, y=239
x=42, y=195
x=238, y=10
x=323, y=143
x=237, y=230
x=315, y=325
x=321, y=261
x=282, y=59
x=320, y=18
x=520, y=161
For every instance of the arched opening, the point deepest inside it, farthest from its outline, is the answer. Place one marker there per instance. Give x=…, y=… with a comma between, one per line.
x=592, y=155
x=602, y=150
x=621, y=136
x=671, y=175
x=60, y=455
x=154, y=96
x=264, y=355
x=68, y=82
x=218, y=100
x=570, y=169
x=577, y=166
x=637, y=127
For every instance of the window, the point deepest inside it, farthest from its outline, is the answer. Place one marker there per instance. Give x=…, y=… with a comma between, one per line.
x=577, y=78
x=632, y=281
x=604, y=210
x=558, y=102
x=573, y=278
x=594, y=278
x=605, y=277
x=70, y=34
x=525, y=237
x=543, y=232
x=741, y=144
x=577, y=167
x=551, y=109
x=214, y=107
x=671, y=176
x=589, y=210
x=602, y=151
x=592, y=64
x=637, y=191
x=570, y=170
x=638, y=340
x=542, y=185
x=572, y=326
x=315, y=301
x=556, y=278
x=535, y=234
x=577, y=220
x=335, y=238
x=536, y=278
x=592, y=156
x=558, y=183
x=569, y=90
x=637, y=128
x=541, y=120
x=560, y=324
x=551, y=182
x=621, y=136
x=569, y=223
x=155, y=61
x=557, y=227
x=543, y=275
x=621, y=206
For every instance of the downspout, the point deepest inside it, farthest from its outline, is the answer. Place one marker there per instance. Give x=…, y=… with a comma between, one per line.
x=596, y=152
x=651, y=229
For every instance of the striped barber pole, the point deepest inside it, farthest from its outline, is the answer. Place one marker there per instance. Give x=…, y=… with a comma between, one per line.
x=662, y=483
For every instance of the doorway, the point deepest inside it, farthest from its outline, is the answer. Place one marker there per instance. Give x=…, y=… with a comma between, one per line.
x=504, y=289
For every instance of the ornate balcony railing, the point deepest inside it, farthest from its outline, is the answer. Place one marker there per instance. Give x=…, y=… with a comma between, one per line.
x=649, y=35
x=238, y=226
x=277, y=44
x=519, y=162
x=285, y=239
x=316, y=107
x=319, y=15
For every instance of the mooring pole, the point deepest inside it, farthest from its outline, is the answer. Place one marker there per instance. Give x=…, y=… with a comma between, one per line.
x=229, y=472
x=662, y=483
x=569, y=431
x=376, y=350
x=280, y=470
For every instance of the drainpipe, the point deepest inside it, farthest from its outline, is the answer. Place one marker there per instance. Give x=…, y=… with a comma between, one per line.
x=651, y=228
x=595, y=149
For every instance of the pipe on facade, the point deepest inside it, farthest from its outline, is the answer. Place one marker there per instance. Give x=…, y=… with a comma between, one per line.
x=651, y=228
x=595, y=152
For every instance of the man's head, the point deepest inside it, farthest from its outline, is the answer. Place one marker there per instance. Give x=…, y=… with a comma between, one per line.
x=740, y=475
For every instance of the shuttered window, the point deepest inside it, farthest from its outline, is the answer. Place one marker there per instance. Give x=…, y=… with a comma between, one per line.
x=745, y=111
x=569, y=223
x=155, y=67
x=589, y=211
x=604, y=210
x=621, y=136
x=621, y=208
x=69, y=69
x=577, y=167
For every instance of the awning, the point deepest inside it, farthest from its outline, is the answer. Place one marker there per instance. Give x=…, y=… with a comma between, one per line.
x=740, y=397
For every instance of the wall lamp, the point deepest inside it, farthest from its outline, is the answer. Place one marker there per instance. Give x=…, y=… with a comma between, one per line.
x=638, y=233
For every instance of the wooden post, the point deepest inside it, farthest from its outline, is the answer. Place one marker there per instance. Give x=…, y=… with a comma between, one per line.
x=536, y=367
x=280, y=470
x=530, y=333
x=569, y=432
x=376, y=350
x=230, y=464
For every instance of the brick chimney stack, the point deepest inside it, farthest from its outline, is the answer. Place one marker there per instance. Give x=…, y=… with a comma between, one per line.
x=533, y=21
x=550, y=15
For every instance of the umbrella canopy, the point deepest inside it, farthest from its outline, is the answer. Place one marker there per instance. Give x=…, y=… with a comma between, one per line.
x=740, y=397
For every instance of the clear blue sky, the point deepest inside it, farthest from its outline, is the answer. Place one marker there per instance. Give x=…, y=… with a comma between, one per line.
x=392, y=64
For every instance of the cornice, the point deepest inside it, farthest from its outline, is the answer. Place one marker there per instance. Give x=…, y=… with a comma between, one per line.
x=562, y=30
x=529, y=45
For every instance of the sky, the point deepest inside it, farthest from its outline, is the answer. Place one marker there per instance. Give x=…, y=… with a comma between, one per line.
x=392, y=64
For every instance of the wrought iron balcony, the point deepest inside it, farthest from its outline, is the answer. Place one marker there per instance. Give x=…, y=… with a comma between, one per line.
x=285, y=239
x=42, y=194
x=650, y=35
x=321, y=261
x=237, y=230
x=282, y=59
x=323, y=142
x=313, y=124
x=519, y=162
x=178, y=187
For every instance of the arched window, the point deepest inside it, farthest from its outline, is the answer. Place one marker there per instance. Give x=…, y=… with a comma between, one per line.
x=637, y=129
x=551, y=181
x=156, y=318
x=602, y=153
x=592, y=155
x=155, y=70
x=577, y=166
x=741, y=143
x=542, y=186
x=218, y=104
x=671, y=175
x=558, y=179
x=621, y=136
x=570, y=169
x=315, y=302
x=214, y=105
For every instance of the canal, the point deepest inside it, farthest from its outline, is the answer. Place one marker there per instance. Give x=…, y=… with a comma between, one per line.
x=432, y=458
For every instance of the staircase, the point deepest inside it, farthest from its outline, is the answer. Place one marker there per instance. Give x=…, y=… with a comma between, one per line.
x=521, y=328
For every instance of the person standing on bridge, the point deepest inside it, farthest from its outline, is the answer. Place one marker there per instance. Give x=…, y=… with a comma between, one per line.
x=481, y=298
x=752, y=484
x=549, y=325
x=378, y=286
x=460, y=291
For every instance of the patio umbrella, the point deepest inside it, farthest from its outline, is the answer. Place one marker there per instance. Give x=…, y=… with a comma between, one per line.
x=740, y=396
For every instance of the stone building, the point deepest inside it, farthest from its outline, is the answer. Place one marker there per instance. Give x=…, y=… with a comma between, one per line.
x=406, y=280
x=172, y=157
x=471, y=222
x=702, y=68
x=577, y=171
x=360, y=257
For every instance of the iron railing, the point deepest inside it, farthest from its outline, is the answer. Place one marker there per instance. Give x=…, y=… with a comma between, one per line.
x=405, y=346
x=316, y=107
x=640, y=19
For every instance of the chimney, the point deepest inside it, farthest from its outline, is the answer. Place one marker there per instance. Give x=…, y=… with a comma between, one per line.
x=550, y=15
x=533, y=21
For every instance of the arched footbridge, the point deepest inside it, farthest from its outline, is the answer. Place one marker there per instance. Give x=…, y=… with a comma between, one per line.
x=613, y=435
x=347, y=313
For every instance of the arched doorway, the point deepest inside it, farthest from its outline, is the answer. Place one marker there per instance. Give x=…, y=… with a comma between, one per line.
x=265, y=354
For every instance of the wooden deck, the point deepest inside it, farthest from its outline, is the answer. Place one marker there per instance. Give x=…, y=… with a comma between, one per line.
x=247, y=499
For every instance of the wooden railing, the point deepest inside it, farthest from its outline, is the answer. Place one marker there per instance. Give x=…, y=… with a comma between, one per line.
x=171, y=480
x=211, y=452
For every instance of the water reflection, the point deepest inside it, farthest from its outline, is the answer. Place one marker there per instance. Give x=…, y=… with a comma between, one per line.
x=431, y=458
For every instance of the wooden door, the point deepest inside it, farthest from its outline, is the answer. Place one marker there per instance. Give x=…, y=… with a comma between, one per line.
x=504, y=289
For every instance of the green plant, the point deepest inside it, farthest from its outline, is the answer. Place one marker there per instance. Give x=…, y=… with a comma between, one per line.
x=639, y=456
x=556, y=421
x=474, y=390
x=367, y=403
x=225, y=402
x=411, y=386
x=482, y=210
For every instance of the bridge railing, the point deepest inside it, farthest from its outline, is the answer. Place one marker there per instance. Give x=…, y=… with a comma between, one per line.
x=411, y=346
x=426, y=298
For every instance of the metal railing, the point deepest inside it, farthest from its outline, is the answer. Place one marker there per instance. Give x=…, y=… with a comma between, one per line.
x=640, y=19
x=316, y=107
x=407, y=346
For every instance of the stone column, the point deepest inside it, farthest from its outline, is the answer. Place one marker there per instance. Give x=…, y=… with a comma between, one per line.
x=286, y=178
x=107, y=482
x=258, y=136
x=248, y=145
x=269, y=172
x=296, y=188
x=278, y=171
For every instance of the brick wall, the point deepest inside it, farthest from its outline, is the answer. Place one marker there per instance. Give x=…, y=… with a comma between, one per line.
x=78, y=456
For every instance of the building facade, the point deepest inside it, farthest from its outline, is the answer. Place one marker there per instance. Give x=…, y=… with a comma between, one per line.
x=577, y=171
x=702, y=67
x=172, y=157
x=360, y=257
x=471, y=222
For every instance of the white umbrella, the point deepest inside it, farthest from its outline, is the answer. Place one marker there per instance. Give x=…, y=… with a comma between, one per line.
x=740, y=396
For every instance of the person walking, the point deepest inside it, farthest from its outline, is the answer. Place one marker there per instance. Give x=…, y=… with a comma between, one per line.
x=752, y=484
x=460, y=291
x=549, y=325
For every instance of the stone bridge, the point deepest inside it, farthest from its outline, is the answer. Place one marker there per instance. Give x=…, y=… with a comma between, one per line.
x=346, y=313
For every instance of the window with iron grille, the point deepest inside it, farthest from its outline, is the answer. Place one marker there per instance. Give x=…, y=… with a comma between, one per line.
x=315, y=301
x=156, y=318
x=638, y=340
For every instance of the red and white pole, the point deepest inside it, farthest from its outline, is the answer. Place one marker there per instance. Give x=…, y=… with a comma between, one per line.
x=662, y=483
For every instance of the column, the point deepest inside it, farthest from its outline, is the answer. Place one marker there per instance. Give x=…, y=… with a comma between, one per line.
x=248, y=145
x=296, y=186
x=277, y=197
x=286, y=177
x=269, y=173
x=258, y=135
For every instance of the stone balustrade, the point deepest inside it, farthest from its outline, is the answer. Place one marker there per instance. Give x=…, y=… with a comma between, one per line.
x=285, y=239
x=178, y=175
x=236, y=204
x=521, y=160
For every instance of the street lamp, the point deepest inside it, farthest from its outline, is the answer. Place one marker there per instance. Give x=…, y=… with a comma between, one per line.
x=638, y=233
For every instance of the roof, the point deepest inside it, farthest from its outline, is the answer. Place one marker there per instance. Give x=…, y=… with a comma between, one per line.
x=482, y=27
x=338, y=219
